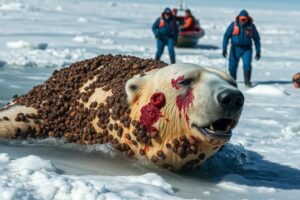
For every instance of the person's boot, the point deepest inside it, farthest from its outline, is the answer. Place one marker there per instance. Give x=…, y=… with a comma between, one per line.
x=247, y=78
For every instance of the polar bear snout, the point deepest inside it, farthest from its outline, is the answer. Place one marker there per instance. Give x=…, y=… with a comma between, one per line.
x=231, y=100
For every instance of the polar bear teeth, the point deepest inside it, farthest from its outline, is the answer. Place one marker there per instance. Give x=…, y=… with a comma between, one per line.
x=221, y=125
x=220, y=129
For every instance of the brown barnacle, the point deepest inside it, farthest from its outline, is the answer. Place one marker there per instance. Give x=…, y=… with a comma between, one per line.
x=106, y=88
x=115, y=141
x=130, y=153
x=154, y=159
x=120, y=132
x=201, y=156
x=175, y=142
x=116, y=126
x=110, y=127
x=118, y=146
x=168, y=145
x=128, y=136
x=183, y=138
x=17, y=130
x=135, y=132
x=17, y=119
x=141, y=127
x=134, y=123
x=160, y=154
x=85, y=98
x=102, y=126
x=93, y=104
x=134, y=142
x=123, y=147
x=110, y=137
x=174, y=149
x=105, y=132
x=181, y=152
x=142, y=152
x=57, y=103
x=145, y=140
x=36, y=121
x=5, y=118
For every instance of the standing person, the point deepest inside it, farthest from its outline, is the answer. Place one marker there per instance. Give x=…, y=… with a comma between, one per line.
x=241, y=32
x=165, y=30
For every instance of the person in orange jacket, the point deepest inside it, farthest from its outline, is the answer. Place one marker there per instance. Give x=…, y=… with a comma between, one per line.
x=165, y=30
x=189, y=21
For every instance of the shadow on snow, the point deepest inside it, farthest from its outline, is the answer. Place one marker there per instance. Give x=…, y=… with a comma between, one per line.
x=269, y=82
x=253, y=169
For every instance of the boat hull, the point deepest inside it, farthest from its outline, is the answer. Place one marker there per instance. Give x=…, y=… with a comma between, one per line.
x=189, y=38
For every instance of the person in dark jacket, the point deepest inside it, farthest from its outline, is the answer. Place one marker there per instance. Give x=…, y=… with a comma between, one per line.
x=165, y=30
x=241, y=32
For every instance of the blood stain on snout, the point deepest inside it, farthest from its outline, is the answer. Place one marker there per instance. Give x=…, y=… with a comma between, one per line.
x=183, y=102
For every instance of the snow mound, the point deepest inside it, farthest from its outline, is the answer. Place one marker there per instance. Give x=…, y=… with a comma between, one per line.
x=267, y=90
x=84, y=39
x=291, y=131
x=23, y=44
x=34, y=178
x=82, y=20
x=11, y=6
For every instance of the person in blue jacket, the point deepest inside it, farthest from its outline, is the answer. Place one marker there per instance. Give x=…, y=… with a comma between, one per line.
x=241, y=32
x=165, y=30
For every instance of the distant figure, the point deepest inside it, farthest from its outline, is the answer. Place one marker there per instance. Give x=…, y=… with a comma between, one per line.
x=296, y=80
x=165, y=30
x=241, y=32
x=174, y=12
x=189, y=21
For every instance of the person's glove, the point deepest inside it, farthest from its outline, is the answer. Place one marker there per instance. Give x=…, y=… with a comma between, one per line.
x=224, y=53
x=257, y=56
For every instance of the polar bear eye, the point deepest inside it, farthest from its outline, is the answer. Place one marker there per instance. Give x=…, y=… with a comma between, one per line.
x=186, y=82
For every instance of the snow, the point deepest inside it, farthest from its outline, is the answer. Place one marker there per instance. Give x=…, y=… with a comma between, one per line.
x=23, y=44
x=262, y=160
x=34, y=178
x=267, y=90
x=11, y=6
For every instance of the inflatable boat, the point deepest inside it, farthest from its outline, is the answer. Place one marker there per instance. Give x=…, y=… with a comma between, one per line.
x=189, y=38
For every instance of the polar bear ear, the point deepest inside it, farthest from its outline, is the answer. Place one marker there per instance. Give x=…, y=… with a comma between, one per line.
x=133, y=88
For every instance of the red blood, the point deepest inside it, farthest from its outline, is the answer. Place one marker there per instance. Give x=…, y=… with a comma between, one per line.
x=149, y=115
x=194, y=138
x=184, y=101
x=175, y=83
x=158, y=99
x=187, y=118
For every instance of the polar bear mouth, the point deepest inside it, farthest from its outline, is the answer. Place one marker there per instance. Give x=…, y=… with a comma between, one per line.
x=220, y=129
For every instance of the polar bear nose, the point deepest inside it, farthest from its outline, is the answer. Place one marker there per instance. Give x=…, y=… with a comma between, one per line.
x=231, y=99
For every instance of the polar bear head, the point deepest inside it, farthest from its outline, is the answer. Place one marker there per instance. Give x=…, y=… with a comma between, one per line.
x=192, y=109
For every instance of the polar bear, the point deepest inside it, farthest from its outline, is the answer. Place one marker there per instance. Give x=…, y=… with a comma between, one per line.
x=176, y=116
